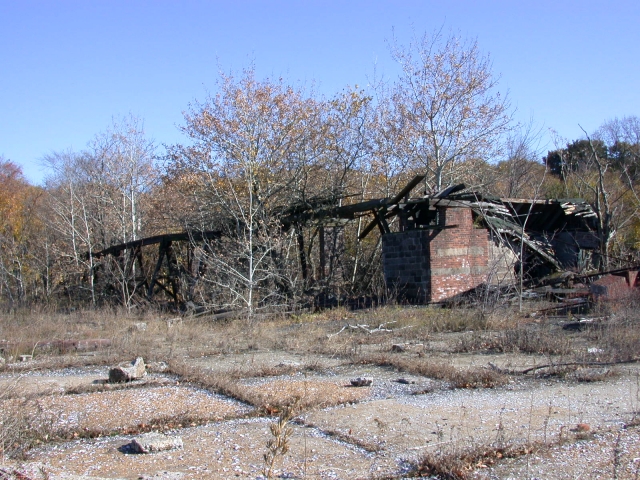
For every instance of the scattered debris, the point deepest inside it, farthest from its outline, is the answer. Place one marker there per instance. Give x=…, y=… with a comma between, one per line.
x=508, y=371
x=361, y=382
x=581, y=324
x=398, y=348
x=367, y=328
x=404, y=381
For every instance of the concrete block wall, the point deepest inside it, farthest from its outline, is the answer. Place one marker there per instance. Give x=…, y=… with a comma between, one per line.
x=436, y=265
x=405, y=260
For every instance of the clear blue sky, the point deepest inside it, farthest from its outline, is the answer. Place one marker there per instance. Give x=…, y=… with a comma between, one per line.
x=68, y=67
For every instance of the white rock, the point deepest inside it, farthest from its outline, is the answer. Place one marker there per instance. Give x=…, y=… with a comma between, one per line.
x=155, y=442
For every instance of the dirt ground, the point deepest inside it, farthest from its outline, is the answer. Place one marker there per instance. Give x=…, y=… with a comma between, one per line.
x=560, y=427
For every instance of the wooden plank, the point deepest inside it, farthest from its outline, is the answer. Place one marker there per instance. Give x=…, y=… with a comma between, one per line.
x=370, y=226
x=154, y=277
x=407, y=189
x=323, y=255
x=449, y=190
x=170, y=237
x=382, y=223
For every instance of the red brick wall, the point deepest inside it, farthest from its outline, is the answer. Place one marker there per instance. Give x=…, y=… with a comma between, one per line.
x=458, y=255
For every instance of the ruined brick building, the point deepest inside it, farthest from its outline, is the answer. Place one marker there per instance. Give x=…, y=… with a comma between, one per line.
x=446, y=244
x=452, y=243
x=434, y=247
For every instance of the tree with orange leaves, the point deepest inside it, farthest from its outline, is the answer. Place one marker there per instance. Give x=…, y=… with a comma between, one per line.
x=20, y=263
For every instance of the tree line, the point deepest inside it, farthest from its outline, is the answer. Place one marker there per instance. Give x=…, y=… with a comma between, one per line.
x=260, y=148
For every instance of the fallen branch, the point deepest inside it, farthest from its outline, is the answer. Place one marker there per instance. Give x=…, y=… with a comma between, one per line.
x=366, y=328
x=507, y=371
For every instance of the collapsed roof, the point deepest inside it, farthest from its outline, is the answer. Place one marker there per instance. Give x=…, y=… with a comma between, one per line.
x=538, y=224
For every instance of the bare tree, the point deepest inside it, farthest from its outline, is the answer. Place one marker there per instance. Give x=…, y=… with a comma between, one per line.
x=123, y=161
x=518, y=175
x=602, y=173
x=445, y=107
x=73, y=215
x=97, y=199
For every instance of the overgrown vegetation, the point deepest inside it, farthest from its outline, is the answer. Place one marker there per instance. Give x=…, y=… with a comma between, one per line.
x=519, y=338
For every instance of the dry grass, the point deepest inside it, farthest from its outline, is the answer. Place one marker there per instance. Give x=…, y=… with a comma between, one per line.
x=455, y=377
x=459, y=461
x=618, y=339
x=177, y=340
x=273, y=395
x=270, y=396
x=523, y=338
x=23, y=427
x=27, y=333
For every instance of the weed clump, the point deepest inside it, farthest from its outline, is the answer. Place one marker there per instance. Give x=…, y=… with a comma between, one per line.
x=455, y=377
x=521, y=338
x=281, y=431
x=458, y=463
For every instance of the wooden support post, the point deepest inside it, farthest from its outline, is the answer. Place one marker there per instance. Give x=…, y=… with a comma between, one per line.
x=154, y=277
x=174, y=273
x=303, y=255
x=323, y=254
x=382, y=222
x=140, y=262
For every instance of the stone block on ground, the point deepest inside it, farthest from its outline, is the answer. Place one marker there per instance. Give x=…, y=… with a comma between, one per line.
x=128, y=371
x=155, y=442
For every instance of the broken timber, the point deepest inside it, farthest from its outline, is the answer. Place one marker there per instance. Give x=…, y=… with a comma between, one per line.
x=507, y=218
x=165, y=253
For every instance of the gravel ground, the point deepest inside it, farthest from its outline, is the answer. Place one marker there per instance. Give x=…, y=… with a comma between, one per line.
x=606, y=455
x=372, y=431
x=132, y=407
